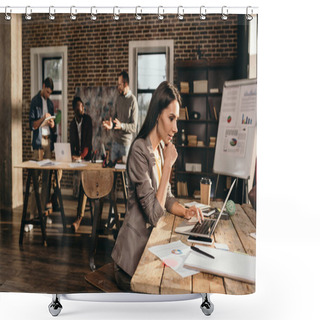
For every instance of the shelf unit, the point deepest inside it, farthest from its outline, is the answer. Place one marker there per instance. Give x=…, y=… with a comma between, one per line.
x=215, y=73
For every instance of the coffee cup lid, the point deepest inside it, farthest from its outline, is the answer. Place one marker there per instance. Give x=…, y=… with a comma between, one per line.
x=205, y=181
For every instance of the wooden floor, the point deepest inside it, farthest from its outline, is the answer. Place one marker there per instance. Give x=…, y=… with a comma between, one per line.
x=58, y=268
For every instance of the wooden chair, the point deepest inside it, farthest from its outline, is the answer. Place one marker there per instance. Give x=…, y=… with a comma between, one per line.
x=97, y=185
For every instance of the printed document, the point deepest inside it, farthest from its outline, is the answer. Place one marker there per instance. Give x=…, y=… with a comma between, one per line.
x=173, y=255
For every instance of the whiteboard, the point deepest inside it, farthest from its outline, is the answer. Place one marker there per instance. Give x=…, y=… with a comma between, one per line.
x=237, y=129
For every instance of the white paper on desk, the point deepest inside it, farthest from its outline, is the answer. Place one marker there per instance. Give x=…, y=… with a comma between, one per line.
x=46, y=162
x=197, y=205
x=173, y=255
x=76, y=165
x=120, y=166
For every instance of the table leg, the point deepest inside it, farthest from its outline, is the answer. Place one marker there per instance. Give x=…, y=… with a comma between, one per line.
x=38, y=202
x=58, y=192
x=110, y=211
x=25, y=207
x=49, y=187
x=98, y=204
x=113, y=206
x=124, y=185
x=80, y=199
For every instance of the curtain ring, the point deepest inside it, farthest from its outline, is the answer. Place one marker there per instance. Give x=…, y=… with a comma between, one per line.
x=73, y=15
x=224, y=13
x=28, y=13
x=249, y=16
x=180, y=12
x=7, y=13
x=203, y=13
x=116, y=15
x=52, y=11
x=138, y=16
x=93, y=16
x=160, y=15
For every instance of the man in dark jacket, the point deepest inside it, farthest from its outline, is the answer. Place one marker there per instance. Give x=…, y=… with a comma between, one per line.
x=81, y=145
x=43, y=137
x=80, y=132
x=41, y=108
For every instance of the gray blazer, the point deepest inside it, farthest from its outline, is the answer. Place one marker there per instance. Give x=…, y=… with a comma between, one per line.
x=143, y=208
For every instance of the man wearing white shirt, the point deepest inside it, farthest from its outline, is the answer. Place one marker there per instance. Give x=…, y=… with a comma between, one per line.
x=41, y=107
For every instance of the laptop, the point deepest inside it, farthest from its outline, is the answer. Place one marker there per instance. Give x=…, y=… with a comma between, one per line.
x=62, y=152
x=206, y=229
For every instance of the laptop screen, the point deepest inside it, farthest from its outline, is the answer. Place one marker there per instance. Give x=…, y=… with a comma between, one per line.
x=190, y=227
x=62, y=152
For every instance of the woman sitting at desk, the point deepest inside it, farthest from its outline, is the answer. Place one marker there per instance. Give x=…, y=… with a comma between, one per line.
x=149, y=165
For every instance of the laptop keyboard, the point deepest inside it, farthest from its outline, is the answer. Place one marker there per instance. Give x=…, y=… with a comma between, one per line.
x=204, y=228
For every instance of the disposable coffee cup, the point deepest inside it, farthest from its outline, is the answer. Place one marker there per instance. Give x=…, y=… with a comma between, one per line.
x=205, y=190
x=38, y=155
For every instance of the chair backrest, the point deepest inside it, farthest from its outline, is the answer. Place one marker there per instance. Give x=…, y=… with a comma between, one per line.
x=97, y=184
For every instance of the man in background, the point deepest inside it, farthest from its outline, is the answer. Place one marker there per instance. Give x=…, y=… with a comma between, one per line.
x=124, y=120
x=80, y=132
x=43, y=138
x=81, y=145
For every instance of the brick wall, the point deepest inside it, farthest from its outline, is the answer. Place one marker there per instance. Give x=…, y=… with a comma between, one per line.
x=98, y=50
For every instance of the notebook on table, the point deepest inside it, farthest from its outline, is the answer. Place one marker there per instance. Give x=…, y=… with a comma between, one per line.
x=233, y=265
x=62, y=152
x=206, y=229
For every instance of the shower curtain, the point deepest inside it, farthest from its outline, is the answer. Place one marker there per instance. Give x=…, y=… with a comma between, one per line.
x=84, y=55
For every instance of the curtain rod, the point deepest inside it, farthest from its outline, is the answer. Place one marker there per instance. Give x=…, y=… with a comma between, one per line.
x=138, y=11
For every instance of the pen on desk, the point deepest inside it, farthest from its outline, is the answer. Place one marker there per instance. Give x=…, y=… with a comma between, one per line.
x=202, y=252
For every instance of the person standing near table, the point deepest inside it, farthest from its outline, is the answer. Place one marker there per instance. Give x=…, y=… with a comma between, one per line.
x=81, y=145
x=43, y=138
x=124, y=121
x=80, y=132
x=150, y=161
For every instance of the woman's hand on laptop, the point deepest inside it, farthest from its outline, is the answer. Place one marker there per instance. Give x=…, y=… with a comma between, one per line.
x=193, y=212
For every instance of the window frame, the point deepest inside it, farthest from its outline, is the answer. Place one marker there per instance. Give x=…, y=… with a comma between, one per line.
x=44, y=59
x=149, y=46
x=146, y=90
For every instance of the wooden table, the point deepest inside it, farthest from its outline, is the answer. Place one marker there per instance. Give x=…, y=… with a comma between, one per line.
x=32, y=166
x=152, y=276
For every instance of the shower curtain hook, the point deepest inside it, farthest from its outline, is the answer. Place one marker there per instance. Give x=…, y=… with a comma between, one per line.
x=116, y=15
x=203, y=13
x=73, y=15
x=160, y=15
x=7, y=15
x=180, y=12
x=249, y=16
x=28, y=13
x=224, y=13
x=138, y=16
x=93, y=16
x=52, y=11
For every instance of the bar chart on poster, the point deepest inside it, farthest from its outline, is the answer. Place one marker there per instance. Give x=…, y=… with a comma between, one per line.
x=237, y=129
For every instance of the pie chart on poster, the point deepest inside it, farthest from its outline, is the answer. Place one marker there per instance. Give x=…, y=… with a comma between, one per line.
x=229, y=119
x=233, y=142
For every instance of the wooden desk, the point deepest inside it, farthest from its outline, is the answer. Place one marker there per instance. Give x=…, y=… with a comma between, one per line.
x=152, y=276
x=32, y=166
